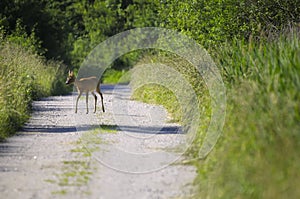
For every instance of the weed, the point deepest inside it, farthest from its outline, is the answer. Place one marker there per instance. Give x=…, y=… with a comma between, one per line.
x=78, y=172
x=24, y=77
x=257, y=154
x=61, y=192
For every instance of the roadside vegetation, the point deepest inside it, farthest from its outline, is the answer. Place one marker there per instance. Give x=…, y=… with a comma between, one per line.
x=24, y=77
x=256, y=156
x=257, y=153
x=255, y=45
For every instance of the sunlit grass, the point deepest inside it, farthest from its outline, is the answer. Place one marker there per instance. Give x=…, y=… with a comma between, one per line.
x=156, y=94
x=24, y=77
x=112, y=76
x=257, y=155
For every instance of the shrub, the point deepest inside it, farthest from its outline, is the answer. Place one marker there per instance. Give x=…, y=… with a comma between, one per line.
x=24, y=76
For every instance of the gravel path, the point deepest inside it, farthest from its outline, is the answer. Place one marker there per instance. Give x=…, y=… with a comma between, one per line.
x=128, y=152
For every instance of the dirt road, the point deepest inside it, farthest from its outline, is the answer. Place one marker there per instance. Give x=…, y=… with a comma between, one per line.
x=130, y=151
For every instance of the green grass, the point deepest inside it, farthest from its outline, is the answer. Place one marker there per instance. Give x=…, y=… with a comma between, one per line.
x=257, y=155
x=156, y=94
x=77, y=172
x=61, y=192
x=159, y=94
x=24, y=77
x=112, y=76
x=107, y=129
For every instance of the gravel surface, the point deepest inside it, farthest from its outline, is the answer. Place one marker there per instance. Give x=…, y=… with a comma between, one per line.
x=134, y=155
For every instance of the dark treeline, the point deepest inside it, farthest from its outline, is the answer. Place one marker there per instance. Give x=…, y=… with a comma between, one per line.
x=68, y=30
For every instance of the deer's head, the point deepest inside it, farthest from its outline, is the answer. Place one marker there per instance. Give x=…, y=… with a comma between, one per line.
x=71, y=78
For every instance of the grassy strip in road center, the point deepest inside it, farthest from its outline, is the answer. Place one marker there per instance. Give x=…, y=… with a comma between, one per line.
x=77, y=172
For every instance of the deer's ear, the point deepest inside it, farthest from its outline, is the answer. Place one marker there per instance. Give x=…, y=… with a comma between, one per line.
x=69, y=72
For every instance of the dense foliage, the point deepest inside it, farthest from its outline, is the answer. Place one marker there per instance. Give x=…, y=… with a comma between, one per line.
x=254, y=43
x=24, y=76
x=68, y=30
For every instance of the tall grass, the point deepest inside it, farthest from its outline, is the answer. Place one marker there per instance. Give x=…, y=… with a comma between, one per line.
x=257, y=155
x=157, y=94
x=24, y=76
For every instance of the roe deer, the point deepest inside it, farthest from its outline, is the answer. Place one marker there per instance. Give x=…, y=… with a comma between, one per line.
x=89, y=84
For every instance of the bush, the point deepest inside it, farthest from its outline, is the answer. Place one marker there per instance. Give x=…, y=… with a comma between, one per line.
x=24, y=76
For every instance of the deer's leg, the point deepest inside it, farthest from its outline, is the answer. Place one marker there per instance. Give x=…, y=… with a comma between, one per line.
x=77, y=101
x=95, y=101
x=98, y=91
x=87, y=102
x=102, y=102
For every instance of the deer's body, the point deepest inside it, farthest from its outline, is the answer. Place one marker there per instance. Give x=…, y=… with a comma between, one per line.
x=86, y=85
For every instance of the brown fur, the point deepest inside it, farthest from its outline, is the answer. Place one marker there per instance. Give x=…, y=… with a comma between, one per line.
x=88, y=84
